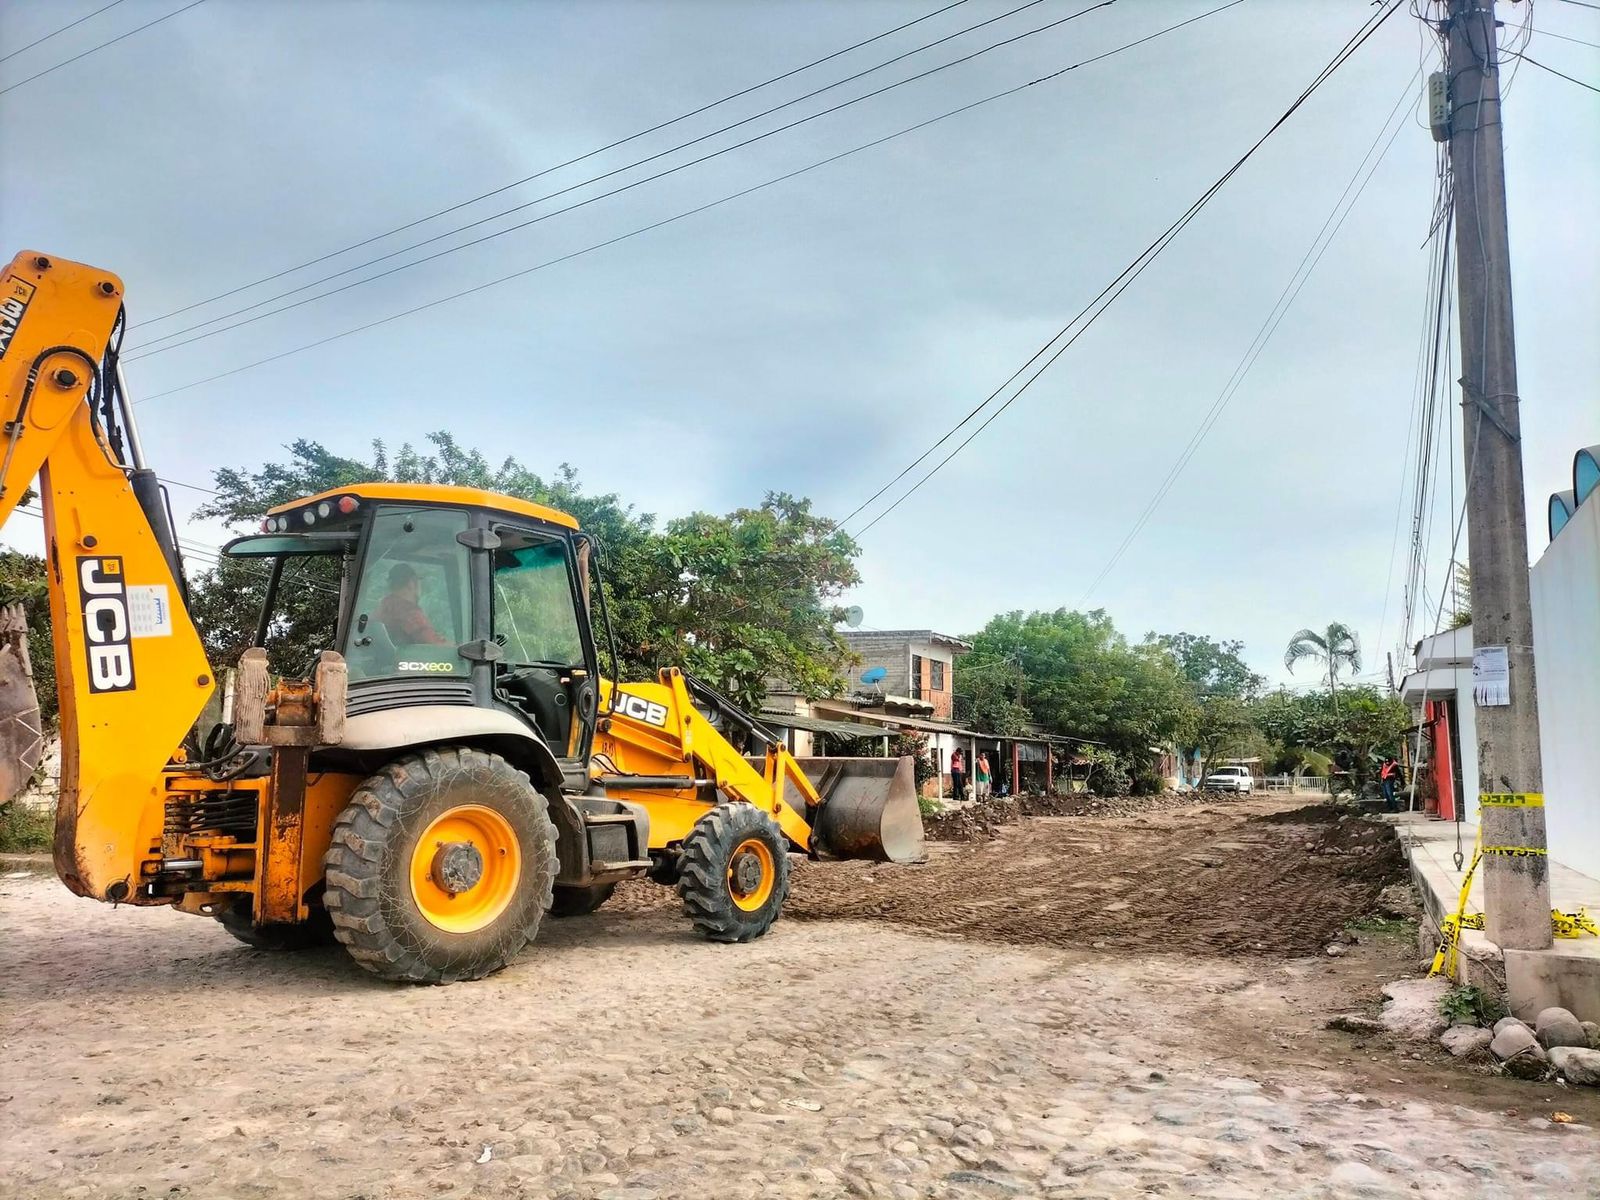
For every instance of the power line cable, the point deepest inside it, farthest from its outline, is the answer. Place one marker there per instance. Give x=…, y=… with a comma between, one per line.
x=149, y=348
x=96, y=49
x=1110, y=293
x=58, y=32
x=1582, y=4
x=1534, y=62
x=656, y=128
x=1011, y=91
x=1324, y=238
x=1545, y=33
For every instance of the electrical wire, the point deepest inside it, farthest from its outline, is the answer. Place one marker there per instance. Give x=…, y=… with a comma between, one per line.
x=58, y=32
x=96, y=49
x=696, y=210
x=1534, y=62
x=1324, y=238
x=1545, y=33
x=150, y=348
x=1110, y=293
x=623, y=141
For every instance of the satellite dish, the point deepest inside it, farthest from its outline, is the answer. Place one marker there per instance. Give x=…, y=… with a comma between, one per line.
x=853, y=615
x=873, y=675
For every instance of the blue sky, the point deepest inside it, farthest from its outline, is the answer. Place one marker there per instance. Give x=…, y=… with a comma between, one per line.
x=815, y=336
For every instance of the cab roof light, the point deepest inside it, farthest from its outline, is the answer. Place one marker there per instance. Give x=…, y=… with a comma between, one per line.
x=348, y=504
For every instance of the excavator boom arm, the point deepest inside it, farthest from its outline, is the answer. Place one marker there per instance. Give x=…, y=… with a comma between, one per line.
x=131, y=673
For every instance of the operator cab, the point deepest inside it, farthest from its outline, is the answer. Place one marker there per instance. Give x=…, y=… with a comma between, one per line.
x=445, y=596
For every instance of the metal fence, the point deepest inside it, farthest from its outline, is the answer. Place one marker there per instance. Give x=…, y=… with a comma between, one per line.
x=1296, y=783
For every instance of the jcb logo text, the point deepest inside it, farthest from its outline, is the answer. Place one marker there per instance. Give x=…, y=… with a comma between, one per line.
x=641, y=709
x=105, y=624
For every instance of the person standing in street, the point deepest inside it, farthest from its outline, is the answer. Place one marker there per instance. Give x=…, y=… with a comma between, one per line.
x=958, y=775
x=1389, y=781
x=981, y=776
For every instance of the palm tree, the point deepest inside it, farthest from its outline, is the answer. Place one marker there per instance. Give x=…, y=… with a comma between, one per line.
x=1334, y=647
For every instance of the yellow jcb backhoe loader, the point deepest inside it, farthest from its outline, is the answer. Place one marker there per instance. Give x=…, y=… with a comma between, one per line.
x=455, y=767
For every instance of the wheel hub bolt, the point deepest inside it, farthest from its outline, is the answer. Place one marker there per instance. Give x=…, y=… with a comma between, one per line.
x=747, y=873
x=457, y=866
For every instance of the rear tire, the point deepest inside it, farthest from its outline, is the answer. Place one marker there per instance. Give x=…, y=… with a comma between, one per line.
x=734, y=873
x=316, y=930
x=580, y=901
x=441, y=867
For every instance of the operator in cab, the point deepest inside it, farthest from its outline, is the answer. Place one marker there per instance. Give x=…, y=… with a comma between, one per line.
x=401, y=610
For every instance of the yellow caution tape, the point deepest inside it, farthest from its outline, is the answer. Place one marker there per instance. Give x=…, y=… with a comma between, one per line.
x=1571, y=925
x=1517, y=851
x=1511, y=799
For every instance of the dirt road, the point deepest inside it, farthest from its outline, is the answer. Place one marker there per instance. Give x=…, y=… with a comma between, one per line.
x=146, y=1054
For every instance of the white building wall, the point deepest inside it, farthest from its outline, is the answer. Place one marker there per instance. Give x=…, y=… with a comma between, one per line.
x=1566, y=641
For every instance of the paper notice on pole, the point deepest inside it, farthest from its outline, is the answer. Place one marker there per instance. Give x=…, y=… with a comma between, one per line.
x=1491, y=676
x=149, y=610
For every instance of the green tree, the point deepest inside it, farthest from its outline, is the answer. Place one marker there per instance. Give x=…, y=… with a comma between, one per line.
x=1335, y=648
x=737, y=599
x=1214, y=668
x=1076, y=675
x=1221, y=726
x=23, y=581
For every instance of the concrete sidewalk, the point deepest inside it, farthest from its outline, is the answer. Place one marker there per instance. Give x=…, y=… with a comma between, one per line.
x=1567, y=974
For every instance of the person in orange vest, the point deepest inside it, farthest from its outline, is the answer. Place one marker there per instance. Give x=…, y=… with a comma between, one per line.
x=1389, y=780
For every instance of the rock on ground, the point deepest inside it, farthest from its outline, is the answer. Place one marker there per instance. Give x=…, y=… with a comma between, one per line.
x=1399, y=901
x=1512, y=1039
x=1558, y=1027
x=1577, y=1064
x=1591, y=1031
x=1412, y=1012
x=1462, y=1040
x=1505, y=1023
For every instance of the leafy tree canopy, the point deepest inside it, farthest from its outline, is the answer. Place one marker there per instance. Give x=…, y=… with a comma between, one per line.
x=1214, y=668
x=1076, y=675
x=736, y=599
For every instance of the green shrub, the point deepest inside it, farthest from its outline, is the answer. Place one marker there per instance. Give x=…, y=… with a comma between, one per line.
x=1466, y=1003
x=25, y=829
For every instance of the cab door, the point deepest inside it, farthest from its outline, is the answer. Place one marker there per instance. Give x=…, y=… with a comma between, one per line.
x=546, y=666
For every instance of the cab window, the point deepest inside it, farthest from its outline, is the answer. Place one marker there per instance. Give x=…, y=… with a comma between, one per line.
x=535, y=611
x=411, y=612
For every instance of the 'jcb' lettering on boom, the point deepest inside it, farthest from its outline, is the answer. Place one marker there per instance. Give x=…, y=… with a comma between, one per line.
x=105, y=624
x=641, y=709
x=18, y=293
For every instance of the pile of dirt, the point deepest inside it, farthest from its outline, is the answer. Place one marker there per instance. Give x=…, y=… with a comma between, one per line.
x=982, y=821
x=1310, y=814
x=1211, y=880
x=1370, y=846
x=1245, y=877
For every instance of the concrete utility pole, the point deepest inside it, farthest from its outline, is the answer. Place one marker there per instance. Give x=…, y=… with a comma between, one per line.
x=1516, y=870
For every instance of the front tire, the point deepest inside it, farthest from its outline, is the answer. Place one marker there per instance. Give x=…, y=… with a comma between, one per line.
x=441, y=867
x=316, y=930
x=734, y=873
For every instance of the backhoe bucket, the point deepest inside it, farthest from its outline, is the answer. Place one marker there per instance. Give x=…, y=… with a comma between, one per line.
x=869, y=808
x=21, y=738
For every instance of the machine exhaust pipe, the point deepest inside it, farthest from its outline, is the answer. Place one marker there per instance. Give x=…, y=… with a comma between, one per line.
x=869, y=808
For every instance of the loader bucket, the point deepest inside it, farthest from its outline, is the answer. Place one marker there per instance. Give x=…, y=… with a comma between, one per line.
x=869, y=808
x=21, y=738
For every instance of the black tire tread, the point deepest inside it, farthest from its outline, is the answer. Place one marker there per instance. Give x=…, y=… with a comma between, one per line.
x=702, y=878
x=317, y=930
x=354, y=861
x=580, y=901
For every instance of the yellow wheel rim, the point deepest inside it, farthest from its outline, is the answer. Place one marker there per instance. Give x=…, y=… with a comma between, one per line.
x=465, y=868
x=752, y=874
